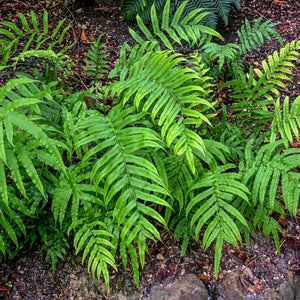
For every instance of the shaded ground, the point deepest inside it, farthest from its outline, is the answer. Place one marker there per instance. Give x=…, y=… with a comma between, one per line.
x=28, y=276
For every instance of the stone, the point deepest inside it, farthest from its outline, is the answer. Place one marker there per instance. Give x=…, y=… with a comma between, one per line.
x=189, y=287
x=297, y=286
x=287, y=291
x=231, y=288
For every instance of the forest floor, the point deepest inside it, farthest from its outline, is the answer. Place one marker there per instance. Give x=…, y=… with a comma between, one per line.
x=29, y=276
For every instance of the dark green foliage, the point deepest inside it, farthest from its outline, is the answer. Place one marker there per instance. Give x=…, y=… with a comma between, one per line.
x=161, y=157
x=215, y=8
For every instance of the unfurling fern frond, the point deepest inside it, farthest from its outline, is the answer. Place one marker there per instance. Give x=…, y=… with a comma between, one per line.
x=156, y=84
x=212, y=205
x=267, y=169
x=286, y=121
x=175, y=30
x=37, y=35
x=251, y=38
x=96, y=64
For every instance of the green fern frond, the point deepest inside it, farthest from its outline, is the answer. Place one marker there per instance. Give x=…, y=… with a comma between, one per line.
x=171, y=94
x=94, y=239
x=177, y=30
x=129, y=180
x=266, y=168
x=286, y=121
x=95, y=62
x=211, y=205
x=251, y=38
x=222, y=53
x=37, y=35
x=255, y=88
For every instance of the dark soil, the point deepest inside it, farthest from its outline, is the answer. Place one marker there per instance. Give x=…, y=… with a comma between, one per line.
x=28, y=276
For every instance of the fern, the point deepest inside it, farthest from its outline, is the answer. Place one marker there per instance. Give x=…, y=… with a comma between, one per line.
x=257, y=85
x=177, y=30
x=168, y=93
x=127, y=178
x=286, y=122
x=251, y=38
x=20, y=141
x=37, y=35
x=215, y=8
x=212, y=206
x=96, y=64
x=266, y=169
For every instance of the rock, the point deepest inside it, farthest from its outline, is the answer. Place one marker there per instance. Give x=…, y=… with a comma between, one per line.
x=287, y=291
x=159, y=256
x=269, y=294
x=297, y=286
x=189, y=287
x=248, y=273
x=231, y=288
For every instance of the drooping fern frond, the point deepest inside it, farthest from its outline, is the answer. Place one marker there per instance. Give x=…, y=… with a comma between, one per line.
x=265, y=170
x=37, y=35
x=286, y=121
x=251, y=38
x=175, y=30
x=21, y=140
x=128, y=179
x=211, y=204
x=95, y=62
x=94, y=239
x=155, y=84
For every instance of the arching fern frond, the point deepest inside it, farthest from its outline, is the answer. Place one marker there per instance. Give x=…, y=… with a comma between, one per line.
x=170, y=94
x=116, y=144
x=255, y=87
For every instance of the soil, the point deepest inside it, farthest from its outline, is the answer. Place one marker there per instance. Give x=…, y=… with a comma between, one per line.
x=29, y=276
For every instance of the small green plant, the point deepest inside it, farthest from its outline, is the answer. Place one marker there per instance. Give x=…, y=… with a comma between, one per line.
x=159, y=158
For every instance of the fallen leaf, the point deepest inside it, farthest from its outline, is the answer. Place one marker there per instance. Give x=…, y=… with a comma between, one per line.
x=4, y=288
x=83, y=36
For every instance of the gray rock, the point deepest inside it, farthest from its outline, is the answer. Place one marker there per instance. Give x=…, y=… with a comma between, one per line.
x=297, y=287
x=231, y=288
x=189, y=287
x=269, y=294
x=287, y=291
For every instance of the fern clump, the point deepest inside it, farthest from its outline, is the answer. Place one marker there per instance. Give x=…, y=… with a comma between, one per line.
x=159, y=158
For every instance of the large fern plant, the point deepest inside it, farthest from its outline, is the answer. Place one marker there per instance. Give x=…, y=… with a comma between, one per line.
x=157, y=159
